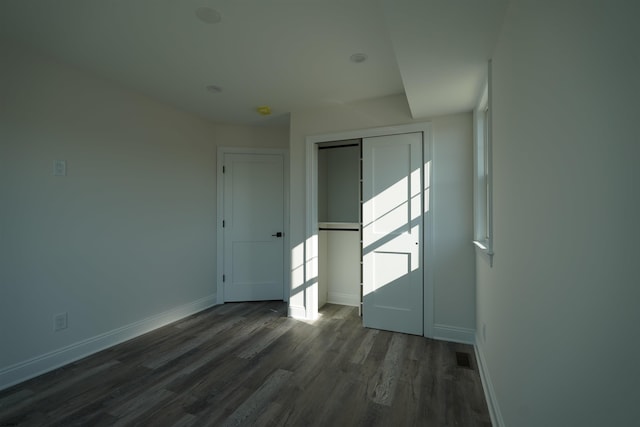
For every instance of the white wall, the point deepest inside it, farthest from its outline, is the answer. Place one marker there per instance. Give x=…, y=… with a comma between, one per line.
x=343, y=184
x=561, y=304
x=339, y=184
x=338, y=266
x=339, y=202
x=128, y=234
x=453, y=225
x=452, y=187
x=323, y=186
x=343, y=267
x=323, y=268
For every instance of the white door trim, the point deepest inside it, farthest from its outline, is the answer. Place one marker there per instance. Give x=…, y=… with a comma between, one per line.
x=311, y=215
x=220, y=213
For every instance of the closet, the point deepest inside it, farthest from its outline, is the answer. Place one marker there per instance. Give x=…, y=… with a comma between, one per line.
x=370, y=207
x=339, y=218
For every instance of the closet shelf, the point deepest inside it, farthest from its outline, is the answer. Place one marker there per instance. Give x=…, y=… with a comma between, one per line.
x=339, y=226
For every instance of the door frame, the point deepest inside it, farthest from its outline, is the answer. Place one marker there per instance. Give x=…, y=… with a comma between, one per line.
x=311, y=216
x=221, y=151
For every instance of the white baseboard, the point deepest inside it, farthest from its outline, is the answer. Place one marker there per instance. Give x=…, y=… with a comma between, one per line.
x=343, y=299
x=487, y=385
x=38, y=365
x=454, y=334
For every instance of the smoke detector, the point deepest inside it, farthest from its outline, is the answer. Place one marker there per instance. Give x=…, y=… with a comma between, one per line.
x=208, y=15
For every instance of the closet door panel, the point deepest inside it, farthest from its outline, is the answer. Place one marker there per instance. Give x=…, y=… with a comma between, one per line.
x=392, y=233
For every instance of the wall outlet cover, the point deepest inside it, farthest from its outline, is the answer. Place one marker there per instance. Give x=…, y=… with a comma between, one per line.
x=60, y=168
x=60, y=322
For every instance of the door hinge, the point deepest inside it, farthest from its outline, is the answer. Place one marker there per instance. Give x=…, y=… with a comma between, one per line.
x=223, y=223
x=224, y=169
x=224, y=278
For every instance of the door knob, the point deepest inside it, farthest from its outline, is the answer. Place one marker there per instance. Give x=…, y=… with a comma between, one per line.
x=278, y=234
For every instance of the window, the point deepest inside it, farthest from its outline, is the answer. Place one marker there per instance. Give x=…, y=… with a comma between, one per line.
x=483, y=222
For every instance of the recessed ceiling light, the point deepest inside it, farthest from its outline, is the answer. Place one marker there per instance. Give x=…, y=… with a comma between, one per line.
x=214, y=89
x=358, y=57
x=208, y=15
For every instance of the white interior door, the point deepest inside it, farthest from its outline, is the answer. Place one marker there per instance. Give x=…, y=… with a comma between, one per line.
x=253, y=227
x=392, y=233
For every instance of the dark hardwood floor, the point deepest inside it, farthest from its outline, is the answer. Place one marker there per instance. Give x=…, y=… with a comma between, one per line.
x=248, y=364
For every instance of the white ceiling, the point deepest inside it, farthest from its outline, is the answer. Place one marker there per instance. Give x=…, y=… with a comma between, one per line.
x=288, y=54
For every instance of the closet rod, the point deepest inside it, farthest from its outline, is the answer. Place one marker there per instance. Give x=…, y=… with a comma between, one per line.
x=339, y=146
x=337, y=229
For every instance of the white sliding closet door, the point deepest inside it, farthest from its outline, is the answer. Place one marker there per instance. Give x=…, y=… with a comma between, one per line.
x=392, y=233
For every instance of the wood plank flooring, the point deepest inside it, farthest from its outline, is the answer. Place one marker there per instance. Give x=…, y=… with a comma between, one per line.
x=243, y=364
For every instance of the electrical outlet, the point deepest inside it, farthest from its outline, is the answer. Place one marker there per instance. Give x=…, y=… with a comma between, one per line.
x=59, y=322
x=60, y=168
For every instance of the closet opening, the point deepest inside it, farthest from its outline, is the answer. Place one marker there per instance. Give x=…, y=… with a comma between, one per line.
x=339, y=216
x=391, y=259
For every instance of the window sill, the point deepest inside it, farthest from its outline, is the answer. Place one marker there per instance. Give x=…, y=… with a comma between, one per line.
x=484, y=247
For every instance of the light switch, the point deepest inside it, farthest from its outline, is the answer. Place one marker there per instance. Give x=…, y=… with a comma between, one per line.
x=60, y=168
